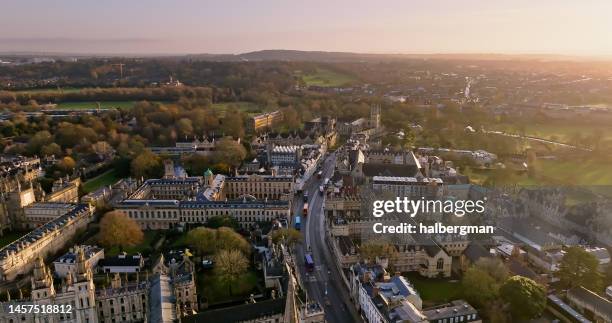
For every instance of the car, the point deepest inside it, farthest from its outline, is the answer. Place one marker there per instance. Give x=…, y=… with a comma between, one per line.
x=208, y=263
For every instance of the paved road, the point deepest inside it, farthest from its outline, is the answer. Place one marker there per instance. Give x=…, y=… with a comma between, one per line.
x=324, y=284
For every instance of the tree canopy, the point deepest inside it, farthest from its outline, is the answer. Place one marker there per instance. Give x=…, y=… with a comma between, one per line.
x=116, y=229
x=525, y=297
x=580, y=268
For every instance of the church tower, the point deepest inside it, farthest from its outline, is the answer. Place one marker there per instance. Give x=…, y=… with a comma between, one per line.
x=42, y=283
x=375, y=116
x=84, y=290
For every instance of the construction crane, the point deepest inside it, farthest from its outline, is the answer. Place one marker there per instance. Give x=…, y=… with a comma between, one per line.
x=121, y=65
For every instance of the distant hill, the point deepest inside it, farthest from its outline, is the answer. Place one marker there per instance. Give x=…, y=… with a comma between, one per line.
x=323, y=56
x=330, y=57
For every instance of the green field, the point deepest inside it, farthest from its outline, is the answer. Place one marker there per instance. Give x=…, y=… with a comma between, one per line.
x=49, y=90
x=107, y=178
x=578, y=173
x=217, y=291
x=9, y=237
x=327, y=78
x=245, y=107
x=434, y=290
x=145, y=247
x=93, y=105
x=557, y=132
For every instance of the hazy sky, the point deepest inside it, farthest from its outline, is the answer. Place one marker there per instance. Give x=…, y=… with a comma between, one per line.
x=233, y=26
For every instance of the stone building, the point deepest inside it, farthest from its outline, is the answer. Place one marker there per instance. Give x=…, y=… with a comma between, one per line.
x=120, y=302
x=19, y=256
x=274, y=187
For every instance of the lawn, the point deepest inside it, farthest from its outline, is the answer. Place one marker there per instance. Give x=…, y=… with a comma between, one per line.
x=216, y=291
x=327, y=78
x=579, y=172
x=435, y=291
x=561, y=132
x=50, y=90
x=246, y=107
x=9, y=237
x=145, y=247
x=105, y=179
x=93, y=105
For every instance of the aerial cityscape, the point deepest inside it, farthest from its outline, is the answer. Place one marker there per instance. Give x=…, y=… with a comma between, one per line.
x=160, y=169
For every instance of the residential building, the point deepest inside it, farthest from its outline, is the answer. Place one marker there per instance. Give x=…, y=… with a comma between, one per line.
x=264, y=121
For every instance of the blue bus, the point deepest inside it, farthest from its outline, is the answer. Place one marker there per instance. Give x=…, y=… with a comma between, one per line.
x=309, y=262
x=297, y=223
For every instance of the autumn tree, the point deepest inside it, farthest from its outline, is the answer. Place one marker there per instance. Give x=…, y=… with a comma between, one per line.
x=209, y=241
x=233, y=123
x=118, y=230
x=229, y=266
x=289, y=236
x=67, y=164
x=230, y=151
x=147, y=165
x=370, y=251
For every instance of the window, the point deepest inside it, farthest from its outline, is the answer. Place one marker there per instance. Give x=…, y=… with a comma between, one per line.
x=440, y=264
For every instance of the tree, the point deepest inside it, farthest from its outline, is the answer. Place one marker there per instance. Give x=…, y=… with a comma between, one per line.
x=67, y=164
x=39, y=141
x=289, y=236
x=233, y=123
x=184, y=127
x=525, y=297
x=229, y=266
x=494, y=267
x=202, y=240
x=580, y=268
x=146, y=165
x=51, y=149
x=369, y=251
x=116, y=229
x=209, y=241
x=218, y=221
x=230, y=151
x=479, y=288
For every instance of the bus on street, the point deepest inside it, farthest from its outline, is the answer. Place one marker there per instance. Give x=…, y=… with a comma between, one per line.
x=298, y=223
x=309, y=262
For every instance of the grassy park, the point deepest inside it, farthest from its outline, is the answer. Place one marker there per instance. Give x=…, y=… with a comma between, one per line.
x=327, y=78
x=217, y=291
x=94, y=105
x=107, y=178
x=435, y=290
x=145, y=247
x=245, y=107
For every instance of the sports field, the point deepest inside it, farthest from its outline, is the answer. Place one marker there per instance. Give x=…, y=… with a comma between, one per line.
x=327, y=78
